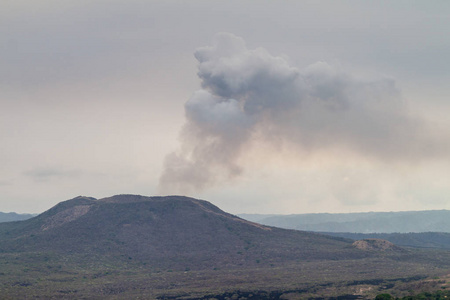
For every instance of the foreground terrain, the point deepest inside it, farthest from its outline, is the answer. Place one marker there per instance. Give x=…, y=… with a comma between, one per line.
x=175, y=247
x=45, y=276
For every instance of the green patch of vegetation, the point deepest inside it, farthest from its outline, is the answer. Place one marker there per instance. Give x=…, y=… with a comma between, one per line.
x=437, y=295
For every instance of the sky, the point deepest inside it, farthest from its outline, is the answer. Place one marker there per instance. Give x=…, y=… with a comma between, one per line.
x=256, y=106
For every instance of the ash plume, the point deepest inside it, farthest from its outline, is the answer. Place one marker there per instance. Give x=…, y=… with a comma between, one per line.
x=246, y=91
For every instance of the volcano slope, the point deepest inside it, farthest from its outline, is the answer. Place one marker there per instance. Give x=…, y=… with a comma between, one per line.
x=128, y=246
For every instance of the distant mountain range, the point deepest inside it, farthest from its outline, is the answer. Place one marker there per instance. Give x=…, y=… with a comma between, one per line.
x=12, y=216
x=370, y=222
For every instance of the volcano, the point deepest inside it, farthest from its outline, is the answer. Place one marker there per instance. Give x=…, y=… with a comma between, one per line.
x=167, y=232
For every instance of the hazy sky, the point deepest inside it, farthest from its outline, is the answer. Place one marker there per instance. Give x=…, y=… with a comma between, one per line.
x=256, y=106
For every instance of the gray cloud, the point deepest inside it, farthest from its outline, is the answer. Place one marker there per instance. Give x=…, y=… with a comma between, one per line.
x=245, y=92
x=4, y=183
x=43, y=174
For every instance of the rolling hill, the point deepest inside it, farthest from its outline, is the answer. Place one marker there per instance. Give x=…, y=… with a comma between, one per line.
x=369, y=222
x=419, y=240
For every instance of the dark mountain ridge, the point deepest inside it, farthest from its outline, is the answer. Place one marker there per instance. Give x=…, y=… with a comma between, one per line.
x=172, y=231
x=12, y=216
x=439, y=240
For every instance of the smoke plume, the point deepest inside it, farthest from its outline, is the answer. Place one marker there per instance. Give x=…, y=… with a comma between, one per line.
x=245, y=92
